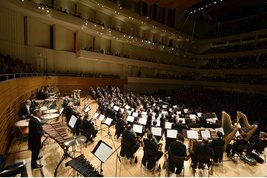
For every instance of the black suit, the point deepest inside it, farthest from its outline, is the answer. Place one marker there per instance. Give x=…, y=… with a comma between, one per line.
x=34, y=141
x=129, y=144
x=88, y=130
x=218, y=142
x=24, y=112
x=151, y=153
x=177, y=148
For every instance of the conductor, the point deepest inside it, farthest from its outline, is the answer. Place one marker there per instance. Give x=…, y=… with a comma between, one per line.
x=35, y=135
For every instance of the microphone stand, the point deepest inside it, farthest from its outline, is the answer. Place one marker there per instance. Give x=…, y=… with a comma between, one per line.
x=117, y=156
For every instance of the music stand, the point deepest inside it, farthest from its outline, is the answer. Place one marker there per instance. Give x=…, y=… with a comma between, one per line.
x=72, y=122
x=108, y=122
x=102, y=151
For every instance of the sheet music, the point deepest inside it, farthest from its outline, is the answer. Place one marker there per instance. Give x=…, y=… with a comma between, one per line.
x=174, y=106
x=172, y=133
x=129, y=112
x=205, y=134
x=116, y=108
x=179, y=112
x=95, y=115
x=199, y=114
x=192, y=116
x=130, y=118
x=127, y=107
x=72, y=121
x=185, y=110
x=192, y=134
x=86, y=109
x=157, y=131
x=101, y=117
x=182, y=119
x=138, y=128
x=135, y=114
x=219, y=129
x=168, y=125
x=158, y=122
x=144, y=116
x=61, y=110
x=142, y=121
x=108, y=121
x=164, y=112
x=164, y=106
x=143, y=113
x=103, y=152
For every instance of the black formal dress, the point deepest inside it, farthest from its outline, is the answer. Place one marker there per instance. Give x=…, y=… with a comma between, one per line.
x=177, y=148
x=34, y=141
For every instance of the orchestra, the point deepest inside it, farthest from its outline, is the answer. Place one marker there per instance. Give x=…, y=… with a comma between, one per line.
x=139, y=121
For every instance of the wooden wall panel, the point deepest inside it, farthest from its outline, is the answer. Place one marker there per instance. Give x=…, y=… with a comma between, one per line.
x=16, y=91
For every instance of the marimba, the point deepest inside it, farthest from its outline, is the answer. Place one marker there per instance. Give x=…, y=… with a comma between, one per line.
x=83, y=167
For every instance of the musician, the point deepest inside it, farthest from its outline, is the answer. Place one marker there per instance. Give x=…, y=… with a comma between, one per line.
x=177, y=148
x=35, y=135
x=232, y=149
x=219, y=141
x=149, y=159
x=120, y=126
x=129, y=144
x=258, y=144
x=202, y=150
x=25, y=111
x=88, y=129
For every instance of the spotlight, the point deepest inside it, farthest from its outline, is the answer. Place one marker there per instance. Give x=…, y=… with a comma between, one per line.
x=215, y=2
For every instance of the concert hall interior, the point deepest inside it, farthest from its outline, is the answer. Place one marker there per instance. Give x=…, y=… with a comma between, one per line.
x=133, y=88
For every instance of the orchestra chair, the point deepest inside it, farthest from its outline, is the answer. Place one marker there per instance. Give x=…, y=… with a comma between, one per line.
x=245, y=126
x=12, y=170
x=219, y=150
x=228, y=128
x=176, y=160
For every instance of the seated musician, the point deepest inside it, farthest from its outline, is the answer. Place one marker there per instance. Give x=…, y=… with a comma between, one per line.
x=129, y=144
x=202, y=153
x=179, y=126
x=88, y=129
x=177, y=149
x=25, y=111
x=258, y=145
x=218, y=142
x=234, y=148
x=151, y=152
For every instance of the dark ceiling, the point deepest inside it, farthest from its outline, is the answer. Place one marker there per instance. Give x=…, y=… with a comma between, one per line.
x=223, y=10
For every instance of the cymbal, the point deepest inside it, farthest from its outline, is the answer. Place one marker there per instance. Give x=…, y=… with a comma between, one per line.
x=75, y=141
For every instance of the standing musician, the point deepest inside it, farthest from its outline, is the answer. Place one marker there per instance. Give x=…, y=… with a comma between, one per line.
x=35, y=135
x=218, y=156
x=177, y=148
x=120, y=126
x=151, y=152
x=88, y=129
x=129, y=144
